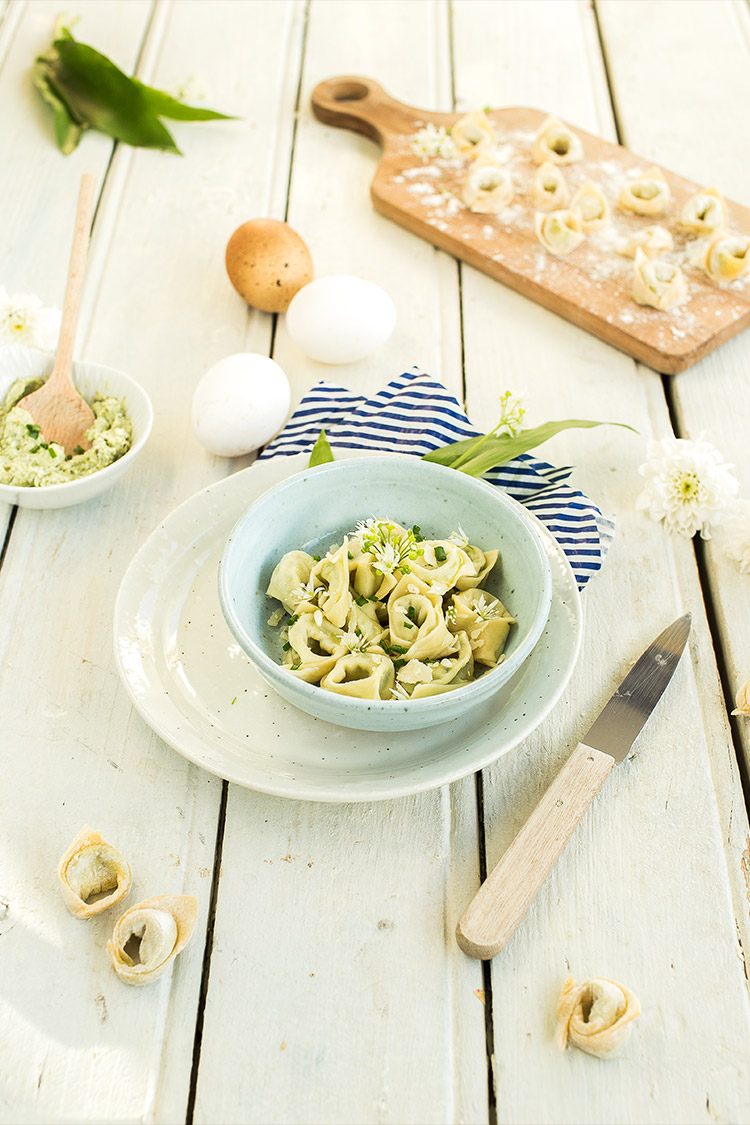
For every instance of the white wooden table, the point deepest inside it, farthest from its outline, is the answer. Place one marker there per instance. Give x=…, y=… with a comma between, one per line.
x=324, y=983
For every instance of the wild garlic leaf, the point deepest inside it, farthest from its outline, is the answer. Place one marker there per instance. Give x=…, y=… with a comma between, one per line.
x=67, y=131
x=476, y=456
x=321, y=451
x=97, y=92
x=164, y=105
x=85, y=89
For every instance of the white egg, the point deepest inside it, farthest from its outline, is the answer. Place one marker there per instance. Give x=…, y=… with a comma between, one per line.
x=239, y=404
x=340, y=319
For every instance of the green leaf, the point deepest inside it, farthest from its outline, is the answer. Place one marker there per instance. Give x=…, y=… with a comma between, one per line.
x=476, y=456
x=164, y=105
x=67, y=131
x=321, y=451
x=97, y=92
x=86, y=89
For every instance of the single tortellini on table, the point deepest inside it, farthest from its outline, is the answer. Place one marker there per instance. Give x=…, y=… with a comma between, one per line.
x=557, y=143
x=648, y=194
x=559, y=232
x=486, y=622
x=92, y=869
x=704, y=212
x=659, y=284
x=726, y=256
x=488, y=189
x=590, y=206
x=596, y=1016
x=160, y=927
x=473, y=133
x=653, y=241
x=364, y=675
x=549, y=191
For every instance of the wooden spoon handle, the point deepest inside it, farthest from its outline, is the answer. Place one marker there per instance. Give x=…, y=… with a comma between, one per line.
x=361, y=104
x=74, y=287
x=492, y=916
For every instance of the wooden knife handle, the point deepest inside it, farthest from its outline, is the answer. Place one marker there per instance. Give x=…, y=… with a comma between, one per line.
x=361, y=104
x=492, y=916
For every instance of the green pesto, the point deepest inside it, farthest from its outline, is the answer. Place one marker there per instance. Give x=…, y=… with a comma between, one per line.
x=27, y=460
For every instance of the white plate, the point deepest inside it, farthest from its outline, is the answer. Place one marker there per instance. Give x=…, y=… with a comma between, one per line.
x=196, y=688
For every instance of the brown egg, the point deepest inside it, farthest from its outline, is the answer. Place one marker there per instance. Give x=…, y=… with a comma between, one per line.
x=268, y=263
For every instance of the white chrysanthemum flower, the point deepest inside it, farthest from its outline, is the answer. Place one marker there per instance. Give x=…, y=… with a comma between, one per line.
x=387, y=557
x=459, y=537
x=688, y=485
x=434, y=141
x=306, y=591
x=737, y=545
x=24, y=320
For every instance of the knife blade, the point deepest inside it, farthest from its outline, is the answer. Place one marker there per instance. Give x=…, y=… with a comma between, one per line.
x=494, y=913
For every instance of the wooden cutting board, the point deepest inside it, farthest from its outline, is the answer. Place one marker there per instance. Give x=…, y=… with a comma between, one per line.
x=591, y=286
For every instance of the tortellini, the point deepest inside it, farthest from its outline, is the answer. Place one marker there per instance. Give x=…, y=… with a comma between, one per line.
x=559, y=232
x=704, y=212
x=657, y=283
x=556, y=143
x=549, y=191
x=653, y=241
x=473, y=132
x=649, y=194
x=488, y=189
x=590, y=206
x=388, y=614
x=726, y=257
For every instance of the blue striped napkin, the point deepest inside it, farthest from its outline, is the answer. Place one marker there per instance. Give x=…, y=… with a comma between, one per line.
x=416, y=414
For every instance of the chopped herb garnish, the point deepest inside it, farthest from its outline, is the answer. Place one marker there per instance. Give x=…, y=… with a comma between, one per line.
x=361, y=600
x=78, y=450
x=32, y=429
x=398, y=648
x=417, y=533
x=399, y=663
x=235, y=699
x=316, y=558
x=440, y=554
x=286, y=647
x=34, y=449
x=52, y=452
x=411, y=613
x=349, y=555
x=296, y=667
x=408, y=624
x=294, y=617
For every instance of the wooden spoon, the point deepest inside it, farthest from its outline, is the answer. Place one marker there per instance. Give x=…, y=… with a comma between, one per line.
x=62, y=415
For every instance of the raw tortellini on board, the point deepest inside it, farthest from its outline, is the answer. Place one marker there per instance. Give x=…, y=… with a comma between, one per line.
x=388, y=614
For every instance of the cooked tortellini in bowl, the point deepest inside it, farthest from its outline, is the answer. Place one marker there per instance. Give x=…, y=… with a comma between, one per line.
x=388, y=614
x=367, y=622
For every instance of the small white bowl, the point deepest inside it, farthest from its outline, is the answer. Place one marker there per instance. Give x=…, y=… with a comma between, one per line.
x=314, y=509
x=16, y=363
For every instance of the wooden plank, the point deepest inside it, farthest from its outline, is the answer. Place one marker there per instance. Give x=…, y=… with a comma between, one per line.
x=354, y=1003
x=638, y=895
x=711, y=399
x=591, y=286
x=161, y=308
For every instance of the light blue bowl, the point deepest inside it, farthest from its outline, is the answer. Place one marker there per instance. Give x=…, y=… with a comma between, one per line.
x=314, y=509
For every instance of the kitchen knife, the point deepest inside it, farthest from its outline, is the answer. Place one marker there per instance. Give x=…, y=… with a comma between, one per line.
x=492, y=916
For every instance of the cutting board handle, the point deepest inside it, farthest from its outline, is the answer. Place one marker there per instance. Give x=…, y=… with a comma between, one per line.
x=361, y=104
